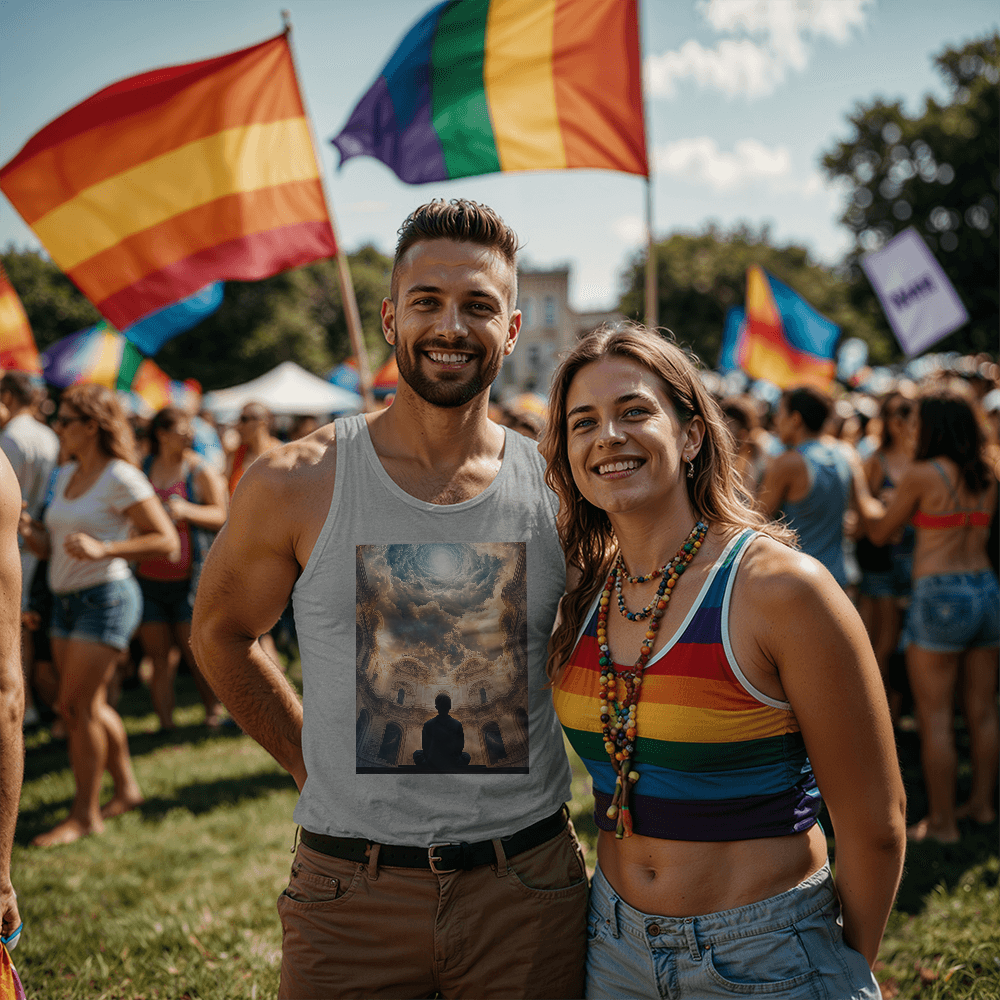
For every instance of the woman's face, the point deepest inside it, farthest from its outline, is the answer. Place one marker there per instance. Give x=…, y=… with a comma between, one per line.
x=178, y=437
x=71, y=428
x=625, y=444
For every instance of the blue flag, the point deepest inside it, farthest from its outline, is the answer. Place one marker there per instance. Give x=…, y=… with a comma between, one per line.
x=154, y=330
x=731, y=339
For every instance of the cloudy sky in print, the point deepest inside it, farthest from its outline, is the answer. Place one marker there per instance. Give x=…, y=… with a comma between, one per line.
x=440, y=602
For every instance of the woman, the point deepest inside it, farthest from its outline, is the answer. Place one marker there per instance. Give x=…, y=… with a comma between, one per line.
x=703, y=736
x=195, y=497
x=103, y=513
x=949, y=495
x=886, y=569
x=751, y=460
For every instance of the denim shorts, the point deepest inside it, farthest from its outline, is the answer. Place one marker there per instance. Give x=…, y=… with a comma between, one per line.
x=955, y=611
x=896, y=582
x=169, y=601
x=788, y=946
x=108, y=613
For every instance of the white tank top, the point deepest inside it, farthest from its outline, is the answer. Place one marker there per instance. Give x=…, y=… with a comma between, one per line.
x=403, y=600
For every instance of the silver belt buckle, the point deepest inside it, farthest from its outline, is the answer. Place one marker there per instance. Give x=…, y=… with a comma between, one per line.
x=431, y=857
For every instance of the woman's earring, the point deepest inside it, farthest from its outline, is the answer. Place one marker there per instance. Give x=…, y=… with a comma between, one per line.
x=690, y=469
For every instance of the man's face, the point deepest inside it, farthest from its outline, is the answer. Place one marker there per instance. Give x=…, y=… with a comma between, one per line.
x=452, y=320
x=784, y=426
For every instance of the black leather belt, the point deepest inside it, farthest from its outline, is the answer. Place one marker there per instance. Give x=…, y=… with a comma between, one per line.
x=439, y=858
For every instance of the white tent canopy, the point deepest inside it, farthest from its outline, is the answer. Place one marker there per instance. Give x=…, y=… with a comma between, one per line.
x=289, y=389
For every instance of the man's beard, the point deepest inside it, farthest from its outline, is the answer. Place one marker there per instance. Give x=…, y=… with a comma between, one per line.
x=444, y=393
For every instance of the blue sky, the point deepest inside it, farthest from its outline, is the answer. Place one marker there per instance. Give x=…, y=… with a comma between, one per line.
x=742, y=98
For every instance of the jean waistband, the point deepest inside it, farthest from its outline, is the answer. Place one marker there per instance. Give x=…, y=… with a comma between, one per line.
x=972, y=577
x=811, y=894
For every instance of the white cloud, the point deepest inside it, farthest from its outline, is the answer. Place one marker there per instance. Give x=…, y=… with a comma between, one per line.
x=702, y=161
x=367, y=207
x=629, y=229
x=780, y=33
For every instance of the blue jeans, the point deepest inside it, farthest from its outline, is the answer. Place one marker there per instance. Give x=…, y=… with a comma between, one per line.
x=789, y=946
x=955, y=611
x=108, y=613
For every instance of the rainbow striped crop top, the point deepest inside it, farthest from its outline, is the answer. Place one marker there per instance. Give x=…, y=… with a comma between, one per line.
x=718, y=760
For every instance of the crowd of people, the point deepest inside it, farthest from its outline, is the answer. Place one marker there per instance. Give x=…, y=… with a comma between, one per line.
x=731, y=606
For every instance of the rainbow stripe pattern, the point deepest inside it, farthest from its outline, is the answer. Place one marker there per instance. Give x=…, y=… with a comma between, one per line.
x=17, y=343
x=715, y=762
x=782, y=338
x=164, y=182
x=482, y=86
x=105, y=357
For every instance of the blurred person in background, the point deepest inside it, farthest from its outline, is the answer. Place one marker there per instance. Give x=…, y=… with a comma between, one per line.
x=302, y=426
x=254, y=429
x=32, y=449
x=751, y=459
x=194, y=495
x=814, y=482
x=11, y=694
x=103, y=514
x=886, y=570
x=950, y=495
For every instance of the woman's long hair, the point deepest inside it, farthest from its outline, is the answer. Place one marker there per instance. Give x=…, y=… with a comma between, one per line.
x=715, y=491
x=97, y=403
x=949, y=428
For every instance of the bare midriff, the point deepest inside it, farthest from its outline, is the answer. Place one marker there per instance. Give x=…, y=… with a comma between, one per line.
x=685, y=878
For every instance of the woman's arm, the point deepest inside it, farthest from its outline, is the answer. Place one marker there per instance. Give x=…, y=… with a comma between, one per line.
x=881, y=521
x=829, y=675
x=212, y=511
x=35, y=535
x=155, y=535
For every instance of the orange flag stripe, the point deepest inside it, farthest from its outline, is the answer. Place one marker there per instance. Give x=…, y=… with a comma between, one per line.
x=239, y=159
x=246, y=212
x=256, y=89
x=17, y=342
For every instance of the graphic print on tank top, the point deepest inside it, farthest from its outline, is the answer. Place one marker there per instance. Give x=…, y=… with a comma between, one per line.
x=442, y=658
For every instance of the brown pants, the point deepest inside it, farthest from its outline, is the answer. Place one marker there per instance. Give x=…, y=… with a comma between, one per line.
x=514, y=929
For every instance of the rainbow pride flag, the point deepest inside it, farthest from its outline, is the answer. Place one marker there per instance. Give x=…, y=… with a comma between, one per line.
x=164, y=182
x=103, y=356
x=782, y=338
x=17, y=343
x=483, y=86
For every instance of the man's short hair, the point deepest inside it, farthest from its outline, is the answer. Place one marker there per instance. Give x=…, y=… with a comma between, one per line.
x=442, y=703
x=811, y=404
x=258, y=411
x=463, y=221
x=19, y=385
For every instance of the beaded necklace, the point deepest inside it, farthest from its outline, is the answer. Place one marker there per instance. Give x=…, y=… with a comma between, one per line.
x=618, y=719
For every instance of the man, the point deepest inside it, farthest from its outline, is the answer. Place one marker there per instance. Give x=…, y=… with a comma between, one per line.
x=33, y=451
x=389, y=527
x=442, y=740
x=254, y=427
x=11, y=695
x=813, y=482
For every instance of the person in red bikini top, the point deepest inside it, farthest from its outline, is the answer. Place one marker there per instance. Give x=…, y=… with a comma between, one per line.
x=254, y=426
x=949, y=494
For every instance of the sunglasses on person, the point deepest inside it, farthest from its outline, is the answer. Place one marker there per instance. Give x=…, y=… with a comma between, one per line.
x=901, y=411
x=61, y=421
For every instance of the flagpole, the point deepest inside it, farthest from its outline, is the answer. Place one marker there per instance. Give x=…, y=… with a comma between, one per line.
x=349, y=300
x=652, y=303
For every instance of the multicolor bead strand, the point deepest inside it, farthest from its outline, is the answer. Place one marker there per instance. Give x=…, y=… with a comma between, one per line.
x=618, y=718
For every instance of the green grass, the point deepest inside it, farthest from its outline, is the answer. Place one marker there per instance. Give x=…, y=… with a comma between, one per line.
x=177, y=899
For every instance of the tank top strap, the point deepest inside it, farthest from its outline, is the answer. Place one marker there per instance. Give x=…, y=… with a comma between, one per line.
x=947, y=481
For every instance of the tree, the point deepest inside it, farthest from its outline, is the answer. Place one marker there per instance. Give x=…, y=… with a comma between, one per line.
x=53, y=304
x=700, y=276
x=293, y=316
x=939, y=173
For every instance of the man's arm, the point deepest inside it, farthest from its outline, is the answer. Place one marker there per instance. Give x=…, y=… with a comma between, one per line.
x=11, y=689
x=244, y=586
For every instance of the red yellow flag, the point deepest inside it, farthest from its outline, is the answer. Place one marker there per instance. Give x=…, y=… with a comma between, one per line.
x=164, y=182
x=17, y=343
